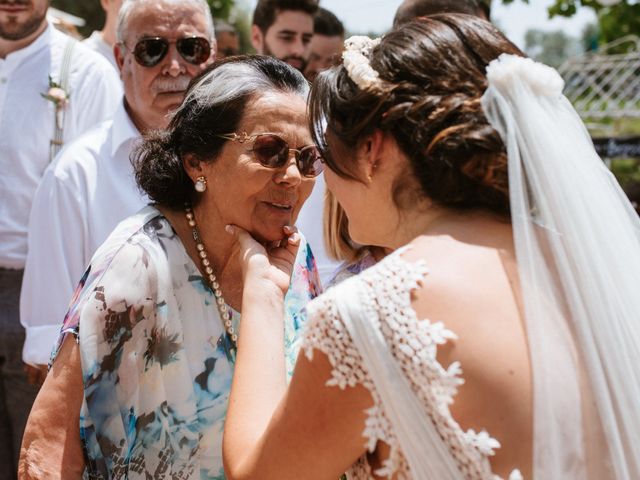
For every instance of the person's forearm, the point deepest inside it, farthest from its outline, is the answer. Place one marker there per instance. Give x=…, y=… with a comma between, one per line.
x=51, y=447
x=259, y=380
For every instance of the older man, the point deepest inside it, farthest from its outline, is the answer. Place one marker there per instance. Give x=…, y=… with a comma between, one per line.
x=52, y=89
x=162, y=45
x=283, y=29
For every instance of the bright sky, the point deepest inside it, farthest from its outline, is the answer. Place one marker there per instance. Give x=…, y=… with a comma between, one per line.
x=514, y=20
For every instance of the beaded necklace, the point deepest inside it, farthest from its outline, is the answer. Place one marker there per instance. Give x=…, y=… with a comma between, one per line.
x=225, y=314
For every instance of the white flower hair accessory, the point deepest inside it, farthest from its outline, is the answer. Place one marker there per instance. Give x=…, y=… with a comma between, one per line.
x=355, y=59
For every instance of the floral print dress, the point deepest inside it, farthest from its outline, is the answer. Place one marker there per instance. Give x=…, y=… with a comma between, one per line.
x=156, y=362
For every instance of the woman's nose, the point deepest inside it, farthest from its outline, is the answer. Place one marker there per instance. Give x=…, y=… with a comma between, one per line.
x=290, y=173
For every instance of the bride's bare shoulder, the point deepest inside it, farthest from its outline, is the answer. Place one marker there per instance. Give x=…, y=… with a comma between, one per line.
x=472, y=288
x=472, y=274
x=465, y=246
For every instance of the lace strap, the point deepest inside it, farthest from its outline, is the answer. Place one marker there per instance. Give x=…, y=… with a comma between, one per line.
x=415, y=432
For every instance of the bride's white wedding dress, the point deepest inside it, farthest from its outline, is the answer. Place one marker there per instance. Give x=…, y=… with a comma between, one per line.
x=577, y=242
x=384, y=299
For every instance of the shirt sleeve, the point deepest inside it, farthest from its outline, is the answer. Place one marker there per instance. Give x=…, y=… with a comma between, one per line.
x=57, y=227
x=139, y=405
x=113, y=320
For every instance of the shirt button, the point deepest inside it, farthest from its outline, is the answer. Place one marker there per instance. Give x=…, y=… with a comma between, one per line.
x=3, y=80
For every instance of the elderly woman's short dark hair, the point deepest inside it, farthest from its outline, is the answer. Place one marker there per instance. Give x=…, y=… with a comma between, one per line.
x=214, y=105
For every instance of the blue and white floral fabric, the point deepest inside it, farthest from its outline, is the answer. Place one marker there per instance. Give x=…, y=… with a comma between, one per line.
x=156, y=362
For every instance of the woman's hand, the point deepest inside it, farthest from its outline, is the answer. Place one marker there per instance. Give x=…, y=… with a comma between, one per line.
x=267, y=266
x=260, y=380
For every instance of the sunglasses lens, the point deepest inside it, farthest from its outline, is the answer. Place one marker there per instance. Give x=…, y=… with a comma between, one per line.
x=150, y=51
x=271, y=151
x=310, y=161
x=194, y=50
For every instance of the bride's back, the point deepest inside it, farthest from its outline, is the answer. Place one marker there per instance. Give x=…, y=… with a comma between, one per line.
x=472, y=288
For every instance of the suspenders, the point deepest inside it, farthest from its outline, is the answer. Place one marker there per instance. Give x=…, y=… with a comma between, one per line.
x=58, y=117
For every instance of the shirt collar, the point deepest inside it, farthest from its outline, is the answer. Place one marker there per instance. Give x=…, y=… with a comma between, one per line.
x=123, y=129
x=42, y=41
x=97, y=37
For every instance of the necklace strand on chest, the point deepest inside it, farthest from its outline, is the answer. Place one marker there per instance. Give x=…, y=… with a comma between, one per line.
x=223, y=310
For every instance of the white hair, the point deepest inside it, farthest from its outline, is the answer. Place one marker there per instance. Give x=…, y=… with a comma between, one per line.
x=234, y=80
x=130, y=6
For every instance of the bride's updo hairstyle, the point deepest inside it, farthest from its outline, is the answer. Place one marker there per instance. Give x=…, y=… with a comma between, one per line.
x=431, y=77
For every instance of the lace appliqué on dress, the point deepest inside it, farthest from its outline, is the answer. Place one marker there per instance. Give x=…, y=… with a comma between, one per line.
x=414, y=344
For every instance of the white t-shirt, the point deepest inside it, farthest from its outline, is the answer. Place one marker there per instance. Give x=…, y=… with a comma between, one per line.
x=27, y=124
x=83, y=196
x=96, y=43
x=310, y=222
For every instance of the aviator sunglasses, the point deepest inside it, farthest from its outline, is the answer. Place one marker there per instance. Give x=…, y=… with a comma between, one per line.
x=272, y=151
x=150, y=51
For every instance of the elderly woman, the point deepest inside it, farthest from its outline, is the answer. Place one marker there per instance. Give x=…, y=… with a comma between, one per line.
x=142, y=392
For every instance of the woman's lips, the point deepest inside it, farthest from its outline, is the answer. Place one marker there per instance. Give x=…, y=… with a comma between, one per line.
x=283, y=207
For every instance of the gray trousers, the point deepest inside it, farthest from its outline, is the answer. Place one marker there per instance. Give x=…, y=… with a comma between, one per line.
x=16, y=395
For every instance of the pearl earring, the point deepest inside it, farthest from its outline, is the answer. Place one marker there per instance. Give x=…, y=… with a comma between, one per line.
x=201, y=184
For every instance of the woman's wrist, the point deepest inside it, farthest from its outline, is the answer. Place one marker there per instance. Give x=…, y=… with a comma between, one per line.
x=262, y=290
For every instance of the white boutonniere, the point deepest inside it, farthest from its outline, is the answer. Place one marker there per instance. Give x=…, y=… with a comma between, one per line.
x=59, y=97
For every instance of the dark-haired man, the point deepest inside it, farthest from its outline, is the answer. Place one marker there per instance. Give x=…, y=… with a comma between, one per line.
x=327, y=43
x=283, y=29
x=227, y=39
x=410, y=9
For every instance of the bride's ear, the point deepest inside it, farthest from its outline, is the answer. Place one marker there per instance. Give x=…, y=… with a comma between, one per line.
x=373, y=148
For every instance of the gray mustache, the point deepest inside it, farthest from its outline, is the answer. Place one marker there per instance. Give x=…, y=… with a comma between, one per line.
x=165, y=85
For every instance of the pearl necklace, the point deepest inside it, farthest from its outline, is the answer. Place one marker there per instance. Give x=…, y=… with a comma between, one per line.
x=225, y=315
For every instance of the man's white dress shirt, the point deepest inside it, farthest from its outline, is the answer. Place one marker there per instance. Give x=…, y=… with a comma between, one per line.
x=96, y=43
x=27, y=124
x=311, y=224
x=85, y=193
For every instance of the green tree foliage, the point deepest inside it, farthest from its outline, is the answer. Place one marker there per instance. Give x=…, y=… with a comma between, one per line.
x=221, y=8
x=589, y=37
x=614, y=21
x=618, y=21
x=92, y=12
x=241, y=19
x=552, y=48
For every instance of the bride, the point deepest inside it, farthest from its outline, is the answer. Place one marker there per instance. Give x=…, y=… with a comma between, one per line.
x=501, y=339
